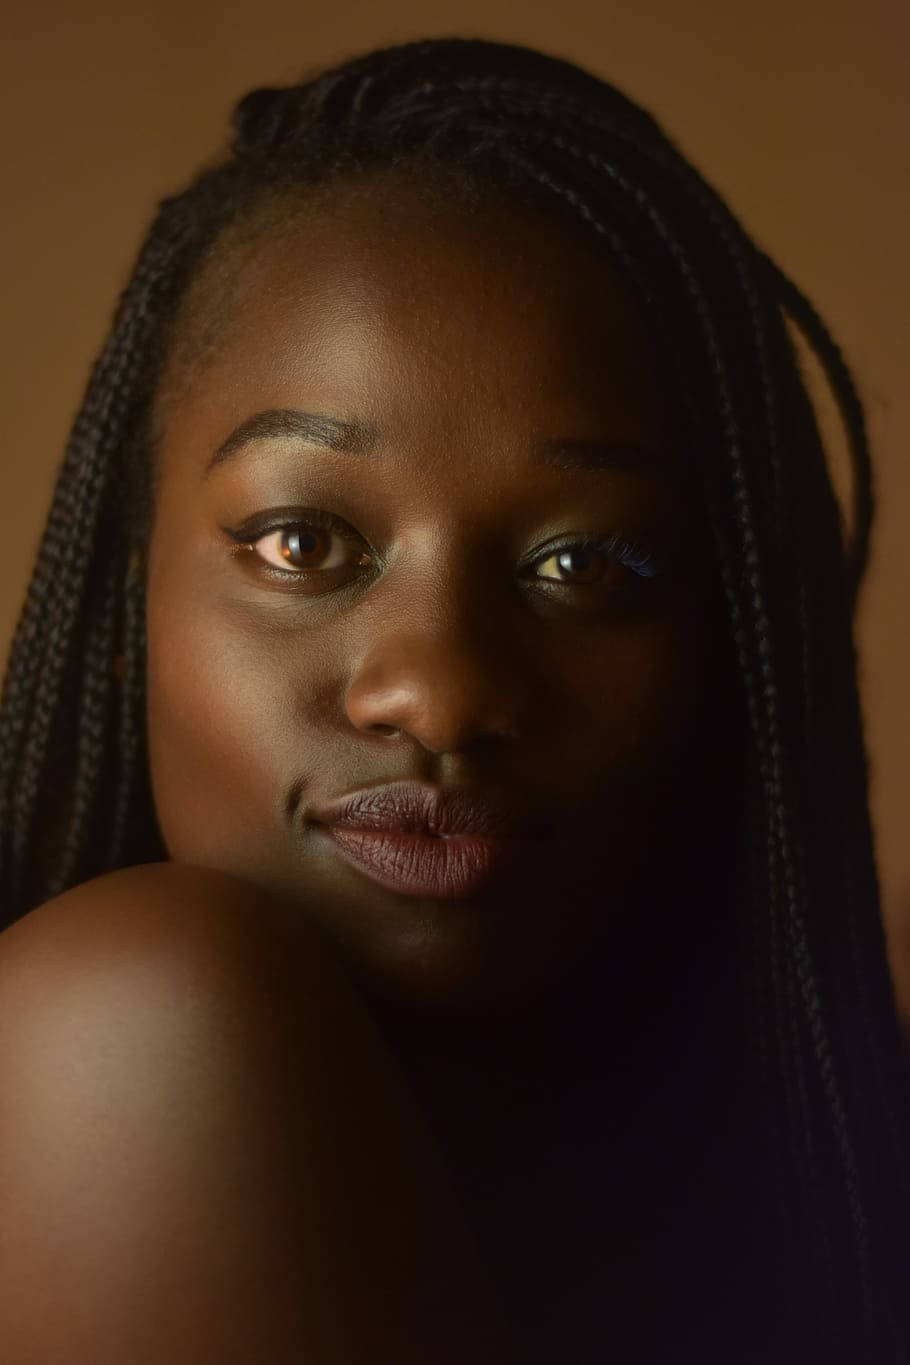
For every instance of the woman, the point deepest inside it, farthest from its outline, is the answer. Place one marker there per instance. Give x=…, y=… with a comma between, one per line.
x=433, y=799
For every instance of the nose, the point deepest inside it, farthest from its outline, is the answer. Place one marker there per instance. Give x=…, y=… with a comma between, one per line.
x=445, y=685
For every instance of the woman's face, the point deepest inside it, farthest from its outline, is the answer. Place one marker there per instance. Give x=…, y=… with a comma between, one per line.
x=505, y=402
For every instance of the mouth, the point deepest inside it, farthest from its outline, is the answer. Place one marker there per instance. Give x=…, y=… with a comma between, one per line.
x=418, y=863
x=424, y=840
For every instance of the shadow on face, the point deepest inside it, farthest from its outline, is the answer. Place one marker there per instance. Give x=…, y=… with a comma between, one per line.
x=427, y=512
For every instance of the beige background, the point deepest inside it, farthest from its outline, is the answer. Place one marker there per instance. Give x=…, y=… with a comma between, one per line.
x=796, y=110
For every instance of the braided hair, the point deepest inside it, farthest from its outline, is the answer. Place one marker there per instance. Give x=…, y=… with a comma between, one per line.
x=832, y=1102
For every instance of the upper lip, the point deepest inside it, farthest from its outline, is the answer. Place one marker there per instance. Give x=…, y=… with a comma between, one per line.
x=418, y=808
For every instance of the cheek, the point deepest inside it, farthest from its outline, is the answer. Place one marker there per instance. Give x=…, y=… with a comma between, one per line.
x=220, y=743
x=648, y=682
x=648, y=706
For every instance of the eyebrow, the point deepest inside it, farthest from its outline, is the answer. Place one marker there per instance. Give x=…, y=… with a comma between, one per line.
x=360, y=438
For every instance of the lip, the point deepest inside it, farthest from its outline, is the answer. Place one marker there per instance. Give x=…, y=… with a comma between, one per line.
x=427, y=841
x=418, y=808
x=446, y=867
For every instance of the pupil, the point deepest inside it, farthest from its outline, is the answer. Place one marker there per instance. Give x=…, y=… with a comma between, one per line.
x=578, y=561
x=298, y=544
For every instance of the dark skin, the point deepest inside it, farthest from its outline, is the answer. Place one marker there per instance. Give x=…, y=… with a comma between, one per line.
x=432, y=650
x=439, y=655
x=545, y=1027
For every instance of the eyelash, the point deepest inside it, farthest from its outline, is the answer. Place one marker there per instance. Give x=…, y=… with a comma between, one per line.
x=645, y=562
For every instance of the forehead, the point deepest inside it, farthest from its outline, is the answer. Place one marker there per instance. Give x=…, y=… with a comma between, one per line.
x=390, y=296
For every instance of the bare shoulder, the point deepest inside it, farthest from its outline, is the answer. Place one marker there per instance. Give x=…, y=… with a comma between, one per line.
x=143, y=907
x=137, y=968
x=168, y=921
x=156, y=1037
x=185, y=975
x=194, y=1112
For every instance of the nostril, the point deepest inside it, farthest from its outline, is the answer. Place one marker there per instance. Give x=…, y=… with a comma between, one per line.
x=389, y=730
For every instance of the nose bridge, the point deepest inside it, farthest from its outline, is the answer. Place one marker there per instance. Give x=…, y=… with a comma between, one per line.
x=439, y=660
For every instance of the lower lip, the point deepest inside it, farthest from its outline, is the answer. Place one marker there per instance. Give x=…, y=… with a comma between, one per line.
x=447, y=867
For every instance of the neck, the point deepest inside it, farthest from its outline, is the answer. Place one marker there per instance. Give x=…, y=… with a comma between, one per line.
x=597, y=1061
x=635, y=1047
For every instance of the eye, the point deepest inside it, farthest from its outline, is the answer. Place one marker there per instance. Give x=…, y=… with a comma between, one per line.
x=315, y=543
x=587, y=563
x=301, y=548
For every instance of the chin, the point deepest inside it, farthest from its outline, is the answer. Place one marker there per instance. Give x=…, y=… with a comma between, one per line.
x=445, y=976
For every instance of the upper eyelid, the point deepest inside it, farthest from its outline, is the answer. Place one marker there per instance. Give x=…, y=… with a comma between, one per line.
x=327, y=521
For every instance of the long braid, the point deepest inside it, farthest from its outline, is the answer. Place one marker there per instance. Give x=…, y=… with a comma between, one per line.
x=85, y=491
x=131, y=725
x=94, y=721
x=795, y=898
x=59, y=611
x=865, y=984
x=550, y=134
x=851, y=409
x=802, y=312
x=806, y=981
